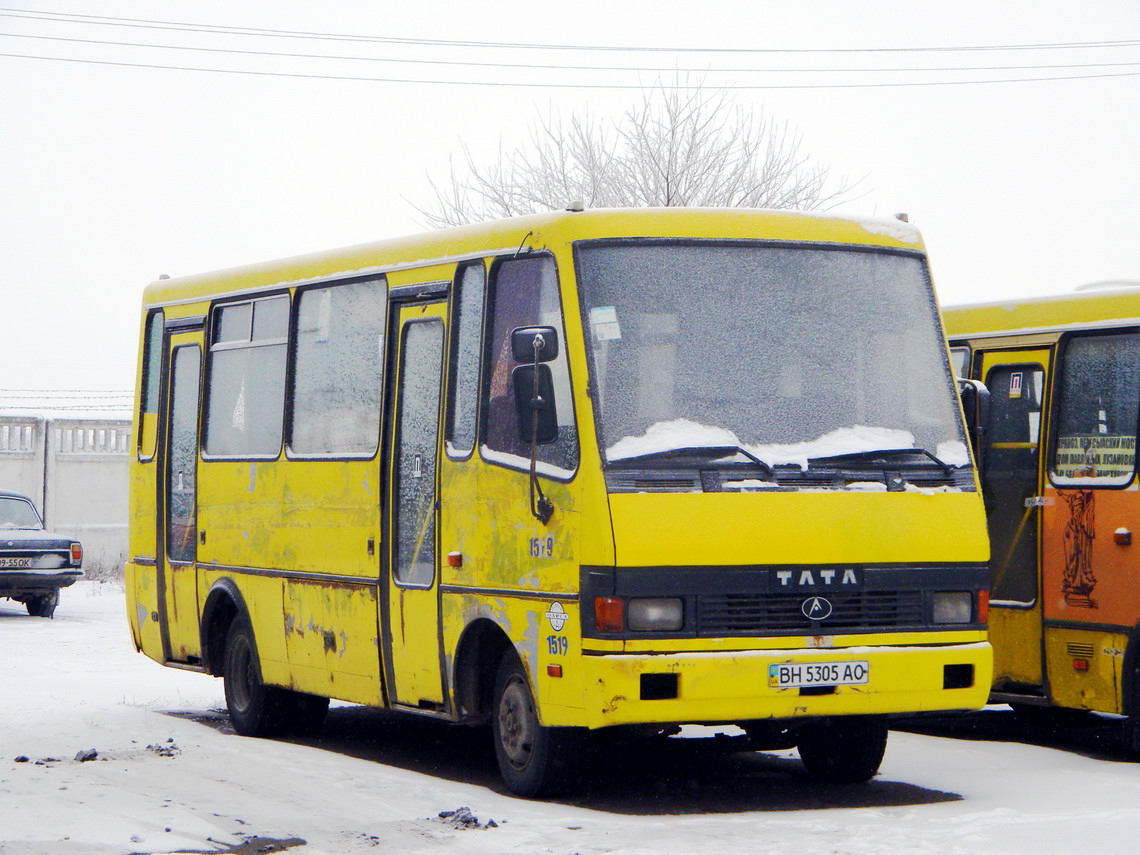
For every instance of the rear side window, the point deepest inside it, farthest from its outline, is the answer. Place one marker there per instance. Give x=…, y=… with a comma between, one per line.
x=1098, y=408
x=151, y=375
x=246, y=382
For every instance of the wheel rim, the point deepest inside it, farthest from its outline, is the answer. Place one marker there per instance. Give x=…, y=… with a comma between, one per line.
x=516, y=723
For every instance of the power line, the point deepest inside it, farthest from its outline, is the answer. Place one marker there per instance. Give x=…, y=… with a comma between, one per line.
x=530, y=85
x=536, y=66
x=144, y=23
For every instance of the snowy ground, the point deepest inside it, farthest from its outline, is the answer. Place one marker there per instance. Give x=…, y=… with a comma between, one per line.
x=170, y=777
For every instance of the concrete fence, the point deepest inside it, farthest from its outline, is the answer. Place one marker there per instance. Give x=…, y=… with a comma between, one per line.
x=76, y=472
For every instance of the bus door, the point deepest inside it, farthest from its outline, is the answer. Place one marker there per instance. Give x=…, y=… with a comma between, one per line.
x=1011, y=479
x=177, y=499
x=412, y=611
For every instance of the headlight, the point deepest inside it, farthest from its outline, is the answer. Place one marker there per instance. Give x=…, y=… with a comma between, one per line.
x=953, y=606
x=656, y=614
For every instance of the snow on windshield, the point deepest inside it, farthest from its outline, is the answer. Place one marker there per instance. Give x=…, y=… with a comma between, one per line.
x=682, y=433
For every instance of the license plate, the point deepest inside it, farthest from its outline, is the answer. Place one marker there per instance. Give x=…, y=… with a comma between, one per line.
x=16, y=562
x=801, y=675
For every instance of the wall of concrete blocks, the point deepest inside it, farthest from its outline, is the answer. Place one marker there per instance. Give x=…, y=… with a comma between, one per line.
x=76, y=472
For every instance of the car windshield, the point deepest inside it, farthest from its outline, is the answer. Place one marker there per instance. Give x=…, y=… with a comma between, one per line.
x=17, y=513
x=790, y=353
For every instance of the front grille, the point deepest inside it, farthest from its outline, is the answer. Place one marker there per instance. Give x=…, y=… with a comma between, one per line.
x=735, y=614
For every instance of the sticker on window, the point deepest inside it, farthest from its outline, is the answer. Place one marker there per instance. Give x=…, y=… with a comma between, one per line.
x=1015, y=384
x=604, y=323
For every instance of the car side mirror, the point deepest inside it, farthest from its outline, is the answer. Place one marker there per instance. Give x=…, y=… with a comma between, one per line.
x=532, y=345
x=976, y=408
x=534, y=403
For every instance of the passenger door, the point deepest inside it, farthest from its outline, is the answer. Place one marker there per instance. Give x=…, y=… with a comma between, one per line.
x=177, y=499
x=412, y=611
x=1011, y=478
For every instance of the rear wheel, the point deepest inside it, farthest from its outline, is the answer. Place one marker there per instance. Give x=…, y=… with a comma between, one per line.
x=844, y=749
x=257, y=709
x=534, y=760
x=43, y=605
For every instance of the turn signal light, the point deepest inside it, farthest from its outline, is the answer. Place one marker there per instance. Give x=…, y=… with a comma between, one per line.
x=76, y=554
x=983, y=606
x=609, y=614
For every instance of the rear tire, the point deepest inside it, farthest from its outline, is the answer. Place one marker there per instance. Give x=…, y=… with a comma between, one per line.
x=844, y=749
x=257, y=709
x=534, y=760
x=43, y=605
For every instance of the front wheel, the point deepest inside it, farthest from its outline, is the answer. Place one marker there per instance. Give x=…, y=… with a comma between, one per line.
x=43, y=605
x=257, y=709
x=844, y=749
x=534, y=760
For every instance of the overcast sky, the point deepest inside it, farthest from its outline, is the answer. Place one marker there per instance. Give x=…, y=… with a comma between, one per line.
x=127, y=165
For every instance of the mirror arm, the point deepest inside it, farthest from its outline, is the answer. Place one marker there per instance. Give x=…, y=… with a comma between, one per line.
x=540, y=506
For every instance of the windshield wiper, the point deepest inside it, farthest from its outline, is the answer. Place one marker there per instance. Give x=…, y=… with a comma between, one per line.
x=700, y=451
x=882, y=455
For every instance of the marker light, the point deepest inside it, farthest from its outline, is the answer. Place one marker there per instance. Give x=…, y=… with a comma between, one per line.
x=609, y=614
x=953, y=606
x=1080, y=664
x=656, y=614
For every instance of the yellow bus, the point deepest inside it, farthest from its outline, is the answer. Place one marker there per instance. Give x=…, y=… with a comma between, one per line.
x=1059, y=479
x=616, y=470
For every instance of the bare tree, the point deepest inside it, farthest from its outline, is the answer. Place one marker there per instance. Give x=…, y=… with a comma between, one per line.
x=682, y=145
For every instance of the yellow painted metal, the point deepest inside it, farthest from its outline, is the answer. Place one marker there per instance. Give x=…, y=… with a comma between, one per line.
x=302, y=539
x=1097, y=687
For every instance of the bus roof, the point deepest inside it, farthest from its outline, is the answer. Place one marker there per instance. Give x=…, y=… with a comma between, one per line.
x=1100, y=304
x=536, y=231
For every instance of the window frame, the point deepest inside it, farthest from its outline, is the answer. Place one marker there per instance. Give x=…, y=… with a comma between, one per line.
x=216, y=308
x=291, y=370
x=151, y=350
x=453, y=376
x=1055, y=401
x=543, y=468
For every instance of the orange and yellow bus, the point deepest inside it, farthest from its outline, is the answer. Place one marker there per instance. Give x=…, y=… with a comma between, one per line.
x=1059, y=479
x=595, y=470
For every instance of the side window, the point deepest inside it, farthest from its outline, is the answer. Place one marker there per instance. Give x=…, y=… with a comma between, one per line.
x=151, y=374
x=467, y=333
x=524, y=292
x=1099, y=399
x=337, y=369
x=246, y=381
x=960, y=360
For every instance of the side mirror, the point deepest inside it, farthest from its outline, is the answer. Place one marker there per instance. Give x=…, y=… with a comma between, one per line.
x=532, y=345
x=976, y=408
x=534, y=403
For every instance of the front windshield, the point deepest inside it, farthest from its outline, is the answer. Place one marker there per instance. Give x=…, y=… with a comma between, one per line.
x=17, y=513
x=789, y=352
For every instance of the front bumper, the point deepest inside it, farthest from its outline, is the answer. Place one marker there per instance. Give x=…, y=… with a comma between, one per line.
x=32, y=583
x=729, y=687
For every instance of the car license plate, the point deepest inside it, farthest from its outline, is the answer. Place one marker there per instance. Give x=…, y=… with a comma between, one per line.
x=17, y=563
x=800, y=675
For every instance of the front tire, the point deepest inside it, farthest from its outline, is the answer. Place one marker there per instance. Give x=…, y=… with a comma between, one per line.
x=844, y=749
x=257, y=709
x=534, y=760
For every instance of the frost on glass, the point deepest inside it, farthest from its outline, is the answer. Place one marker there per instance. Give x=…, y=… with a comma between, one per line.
x=525, y=293
x=337, y=377
x=462, y=407
x=246, y=384
x=788, y=352
x=1096, y=424
x=181, y=475
x=415, y=454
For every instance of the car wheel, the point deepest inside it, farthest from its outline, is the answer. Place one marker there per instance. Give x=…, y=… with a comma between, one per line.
x=534, y=760
x=257, y=709
x=43, y=605
x=844, y=749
